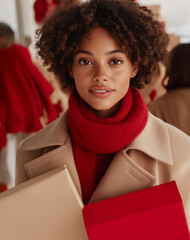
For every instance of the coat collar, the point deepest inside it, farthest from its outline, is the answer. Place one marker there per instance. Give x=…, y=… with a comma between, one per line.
x=153, y=140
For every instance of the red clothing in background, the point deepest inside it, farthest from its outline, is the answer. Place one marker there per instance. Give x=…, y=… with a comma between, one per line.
x=24, y=91
x=42, y=8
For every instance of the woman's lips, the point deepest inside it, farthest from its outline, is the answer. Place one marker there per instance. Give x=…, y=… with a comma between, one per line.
x=101, y=91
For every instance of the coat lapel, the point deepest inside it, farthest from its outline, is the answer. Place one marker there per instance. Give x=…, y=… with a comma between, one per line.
x=53, y=146
x=135, y=166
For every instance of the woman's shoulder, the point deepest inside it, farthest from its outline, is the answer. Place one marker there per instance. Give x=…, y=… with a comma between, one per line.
x=171, y=132
x=54, y=134
x=178, y=142
x=161, y=141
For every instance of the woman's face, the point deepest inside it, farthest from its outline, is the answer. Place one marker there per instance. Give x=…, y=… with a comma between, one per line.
x=102, y=72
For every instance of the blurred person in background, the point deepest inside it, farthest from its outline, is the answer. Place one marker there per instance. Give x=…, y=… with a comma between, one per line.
x=25, y=95
x=174, y=106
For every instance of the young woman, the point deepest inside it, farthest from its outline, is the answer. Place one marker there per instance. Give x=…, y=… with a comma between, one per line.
x=103, y=50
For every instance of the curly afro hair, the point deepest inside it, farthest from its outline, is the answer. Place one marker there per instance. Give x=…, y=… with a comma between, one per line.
x=131, y=25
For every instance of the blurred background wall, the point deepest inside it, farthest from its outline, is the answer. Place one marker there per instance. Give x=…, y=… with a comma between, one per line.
x=20, y=15
x=176, y=15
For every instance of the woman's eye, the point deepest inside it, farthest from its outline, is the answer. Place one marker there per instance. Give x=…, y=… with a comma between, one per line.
x=84, y=62
x=116, y=61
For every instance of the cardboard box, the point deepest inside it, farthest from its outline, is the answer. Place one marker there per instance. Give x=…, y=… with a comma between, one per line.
x=153, y=213
x=44, y=208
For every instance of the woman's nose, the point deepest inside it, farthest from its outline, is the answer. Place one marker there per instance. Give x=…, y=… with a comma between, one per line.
x=100, y=74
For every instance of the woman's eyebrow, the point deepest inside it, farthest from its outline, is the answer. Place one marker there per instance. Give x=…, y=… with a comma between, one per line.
x=84, y=52
x=91, y=54
x=115, y=51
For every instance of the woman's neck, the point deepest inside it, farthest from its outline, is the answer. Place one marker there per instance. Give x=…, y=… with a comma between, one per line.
x=105, y=113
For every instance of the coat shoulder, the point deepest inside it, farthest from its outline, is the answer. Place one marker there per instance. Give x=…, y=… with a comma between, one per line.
x=161, y=141
x=53, y=134
x=178, y=141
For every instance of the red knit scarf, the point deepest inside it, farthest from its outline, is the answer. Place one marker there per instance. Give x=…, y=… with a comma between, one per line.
x=95, y=140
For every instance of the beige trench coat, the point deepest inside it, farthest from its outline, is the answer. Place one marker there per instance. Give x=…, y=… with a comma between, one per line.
x=160, y=153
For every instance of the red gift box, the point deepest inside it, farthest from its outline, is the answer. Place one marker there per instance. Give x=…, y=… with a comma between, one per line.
x=153, y=213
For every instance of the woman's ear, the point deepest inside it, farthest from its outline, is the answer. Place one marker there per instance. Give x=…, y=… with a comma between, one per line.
x=134, y=71
x=165, y=81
